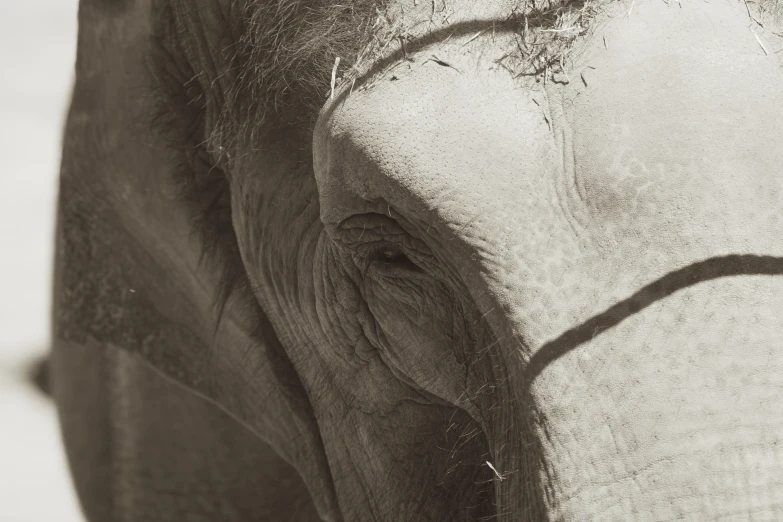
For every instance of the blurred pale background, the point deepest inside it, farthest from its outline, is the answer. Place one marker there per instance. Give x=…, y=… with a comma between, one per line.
x=37, y=49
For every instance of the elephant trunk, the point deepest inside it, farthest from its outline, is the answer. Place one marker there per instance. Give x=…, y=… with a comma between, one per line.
x=666, y=408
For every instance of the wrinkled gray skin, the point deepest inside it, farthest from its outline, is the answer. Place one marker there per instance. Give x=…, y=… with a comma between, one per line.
x=471, y=298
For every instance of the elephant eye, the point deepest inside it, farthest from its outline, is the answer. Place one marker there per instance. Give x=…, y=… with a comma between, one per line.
x=392, y=258
x=390, y=255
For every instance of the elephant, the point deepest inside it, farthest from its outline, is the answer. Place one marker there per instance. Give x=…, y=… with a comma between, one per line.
x=399, y=260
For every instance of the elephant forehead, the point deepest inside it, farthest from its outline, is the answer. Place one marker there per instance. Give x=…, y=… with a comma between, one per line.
x=435, y=136
x=679, y=113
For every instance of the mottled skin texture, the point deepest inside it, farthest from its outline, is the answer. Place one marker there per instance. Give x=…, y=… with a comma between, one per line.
x=467, y=296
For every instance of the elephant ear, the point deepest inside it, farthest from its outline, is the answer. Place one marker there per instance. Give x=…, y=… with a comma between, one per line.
x=146, y=258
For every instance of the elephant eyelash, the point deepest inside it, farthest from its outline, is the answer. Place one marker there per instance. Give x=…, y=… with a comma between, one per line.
x=391, y=259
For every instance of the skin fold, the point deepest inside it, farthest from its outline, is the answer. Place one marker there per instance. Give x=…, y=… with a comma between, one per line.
x=444, y=292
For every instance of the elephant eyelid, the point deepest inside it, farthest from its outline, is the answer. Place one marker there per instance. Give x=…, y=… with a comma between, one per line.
x=381, y=244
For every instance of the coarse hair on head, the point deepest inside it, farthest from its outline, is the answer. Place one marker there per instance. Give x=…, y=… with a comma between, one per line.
x=287, y=50
x=285, y=56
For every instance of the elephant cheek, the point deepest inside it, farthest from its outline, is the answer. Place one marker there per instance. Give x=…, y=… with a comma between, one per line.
x=341, y=313
x=422, y=335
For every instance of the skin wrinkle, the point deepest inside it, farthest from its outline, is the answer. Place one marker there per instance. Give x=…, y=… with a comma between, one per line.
x=420, y=347
x=288, y=338
x=414, y=309
x=571, y=197
x=633, y=474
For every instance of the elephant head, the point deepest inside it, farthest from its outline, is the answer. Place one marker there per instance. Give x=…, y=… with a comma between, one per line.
x=502, y=261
